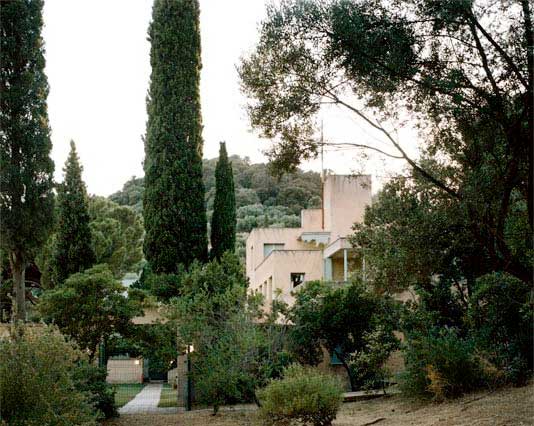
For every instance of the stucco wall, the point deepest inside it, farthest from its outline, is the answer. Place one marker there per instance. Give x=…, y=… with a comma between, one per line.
x=125, y=371
x=311, y=219
x=345, y=198
x=260, y=236
x=280, y=264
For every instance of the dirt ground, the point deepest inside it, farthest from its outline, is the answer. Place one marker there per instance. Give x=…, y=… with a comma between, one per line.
x=511, y=407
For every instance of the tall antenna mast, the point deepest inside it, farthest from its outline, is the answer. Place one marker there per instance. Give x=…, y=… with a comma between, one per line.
x=322, y=177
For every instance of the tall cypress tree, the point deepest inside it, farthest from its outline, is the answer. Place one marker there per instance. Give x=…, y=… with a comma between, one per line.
x=73, y=252
x=223, y=221
x=173, y=203
x=26, y=170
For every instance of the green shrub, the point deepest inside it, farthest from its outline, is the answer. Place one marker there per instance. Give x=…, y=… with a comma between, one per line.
x=441, y=364
x=237, y=348
x=36, y=380
x=368, y=365
x=351, y=322
x=500, y=319
x=91, y=380
x=304, y=394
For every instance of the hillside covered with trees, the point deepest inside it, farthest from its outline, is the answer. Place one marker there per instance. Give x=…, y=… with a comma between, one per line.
x=261, y=199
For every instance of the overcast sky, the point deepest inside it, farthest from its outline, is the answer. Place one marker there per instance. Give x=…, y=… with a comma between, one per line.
x=97, y=63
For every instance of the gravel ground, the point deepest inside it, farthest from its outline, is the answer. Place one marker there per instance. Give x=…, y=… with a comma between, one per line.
x=510, y=406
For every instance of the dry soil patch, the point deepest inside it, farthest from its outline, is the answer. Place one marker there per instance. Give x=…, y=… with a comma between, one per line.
x=511, y=407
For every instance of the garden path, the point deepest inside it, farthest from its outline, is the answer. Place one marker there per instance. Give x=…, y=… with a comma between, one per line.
x=145, y=401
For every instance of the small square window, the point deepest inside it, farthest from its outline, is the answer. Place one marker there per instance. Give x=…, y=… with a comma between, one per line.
x=297, y=278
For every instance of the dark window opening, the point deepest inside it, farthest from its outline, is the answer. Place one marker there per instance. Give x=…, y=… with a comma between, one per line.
x=297, y=278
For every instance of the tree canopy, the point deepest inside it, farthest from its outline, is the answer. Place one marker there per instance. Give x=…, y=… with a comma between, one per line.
x=261, y=199
x=223, y=219
x=462, y=72
x=73, y=251
x=173, y=202
x=26, y=169
x=117, y=236
x=351, y=323
x=89, y=306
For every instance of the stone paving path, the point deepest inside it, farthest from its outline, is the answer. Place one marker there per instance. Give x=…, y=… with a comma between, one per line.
x=145, y=401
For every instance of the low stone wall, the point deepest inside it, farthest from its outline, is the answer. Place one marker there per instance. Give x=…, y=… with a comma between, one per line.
x=125, y=370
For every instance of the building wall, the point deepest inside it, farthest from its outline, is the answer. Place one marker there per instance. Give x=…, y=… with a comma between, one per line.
x=125, y=371
x=345, y=198
x=260, y=236
x=311, y=219
x=275, y=272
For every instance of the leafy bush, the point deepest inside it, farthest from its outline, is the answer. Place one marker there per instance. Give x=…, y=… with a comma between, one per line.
x=441, y=364
x=36, y=380
x=304, y=394
x=90, y=379
x=351, y=322
x=500, y=317
x=233, y=353
x=89, y=306
x=368, y=365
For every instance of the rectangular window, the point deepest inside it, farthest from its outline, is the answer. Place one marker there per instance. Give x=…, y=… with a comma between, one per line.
x=269, y=247
x=297, y=278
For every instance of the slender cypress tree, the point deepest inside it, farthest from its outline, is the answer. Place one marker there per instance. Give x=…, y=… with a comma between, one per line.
x=73, y=252
x=26, y=170
x=223, y=221
x=173, y=203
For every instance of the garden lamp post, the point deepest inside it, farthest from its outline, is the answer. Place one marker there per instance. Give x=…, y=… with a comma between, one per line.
x=190, y=349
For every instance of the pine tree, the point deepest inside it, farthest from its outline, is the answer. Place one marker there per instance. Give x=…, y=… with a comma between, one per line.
x=26, y=170
x=223, y=221
x=73, y=252
x=173, y=202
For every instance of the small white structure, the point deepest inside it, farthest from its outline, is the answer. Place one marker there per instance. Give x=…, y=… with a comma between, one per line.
x=128, y=370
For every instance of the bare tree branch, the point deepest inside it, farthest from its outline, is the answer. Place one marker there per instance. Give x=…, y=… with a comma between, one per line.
x=411, y=162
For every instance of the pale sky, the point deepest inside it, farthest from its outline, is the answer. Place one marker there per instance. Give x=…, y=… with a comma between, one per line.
x=97, y=63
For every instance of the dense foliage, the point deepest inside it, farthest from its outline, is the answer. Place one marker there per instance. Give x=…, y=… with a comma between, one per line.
x=223, y=219
x=261, y=199
x=73, y=249
x=351, y=323
x=414, y=238
x=233, y=353
x=253, y=185
x=91, y=380
x=303, y=394
x=26, y=169
x=389, y=63
x=116, y=239
x=155, y=343
x=37, y=380
x=450, y=350
x=457, y=229
x=89, y=306
x=173, y=201
x=117, y=236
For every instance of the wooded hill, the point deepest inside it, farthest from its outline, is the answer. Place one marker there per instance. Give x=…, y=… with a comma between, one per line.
x=261, y=199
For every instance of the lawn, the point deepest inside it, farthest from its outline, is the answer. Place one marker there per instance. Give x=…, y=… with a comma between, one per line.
x=510, y=406
x=168, y=397
x=126, y=392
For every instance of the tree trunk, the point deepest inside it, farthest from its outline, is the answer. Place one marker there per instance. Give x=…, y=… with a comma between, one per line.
x=18, y=268
x=349, y=373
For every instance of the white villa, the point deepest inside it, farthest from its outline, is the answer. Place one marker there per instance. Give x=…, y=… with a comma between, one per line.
x=281, y=259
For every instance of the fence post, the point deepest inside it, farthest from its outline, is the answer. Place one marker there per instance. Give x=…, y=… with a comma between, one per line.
x=189, y=396
x=101, y=354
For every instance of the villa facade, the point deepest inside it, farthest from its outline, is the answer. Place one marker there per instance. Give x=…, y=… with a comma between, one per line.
x=278, y=260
